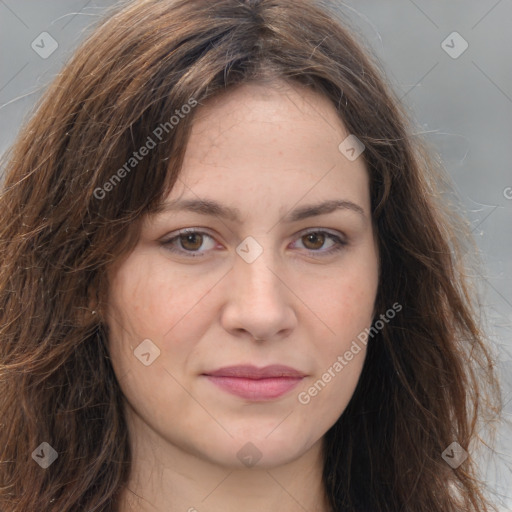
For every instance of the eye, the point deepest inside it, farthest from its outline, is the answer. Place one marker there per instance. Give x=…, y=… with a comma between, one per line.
x=314, y=240
x=188, y=242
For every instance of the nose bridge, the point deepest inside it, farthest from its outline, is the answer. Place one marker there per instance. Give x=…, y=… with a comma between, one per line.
x=257, y=300
x=256, y=275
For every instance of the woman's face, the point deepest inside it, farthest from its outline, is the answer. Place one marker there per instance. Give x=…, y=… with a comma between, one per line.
x=199, y=323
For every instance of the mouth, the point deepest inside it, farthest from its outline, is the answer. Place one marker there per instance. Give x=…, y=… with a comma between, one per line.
x=256, y=384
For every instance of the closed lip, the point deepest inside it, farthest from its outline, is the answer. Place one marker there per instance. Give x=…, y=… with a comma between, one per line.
x=256, y=384
x=253, y=372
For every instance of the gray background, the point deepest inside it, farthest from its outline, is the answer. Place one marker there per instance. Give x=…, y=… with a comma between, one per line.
x=462, y=106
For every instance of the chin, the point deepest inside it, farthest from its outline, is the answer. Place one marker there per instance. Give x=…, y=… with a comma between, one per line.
x=261, y=449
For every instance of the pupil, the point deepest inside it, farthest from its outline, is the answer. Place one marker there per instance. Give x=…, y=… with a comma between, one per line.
x=190, y=238
x=313, y=236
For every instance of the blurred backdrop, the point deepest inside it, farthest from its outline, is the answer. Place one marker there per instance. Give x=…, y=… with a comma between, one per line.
x=449, y=62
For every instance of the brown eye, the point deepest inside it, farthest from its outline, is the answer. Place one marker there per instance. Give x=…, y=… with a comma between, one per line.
x=314, y=240
x=191, y=241
x=321, y=243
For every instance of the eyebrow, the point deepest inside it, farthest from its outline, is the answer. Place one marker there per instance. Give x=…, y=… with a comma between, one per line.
x=209, y=207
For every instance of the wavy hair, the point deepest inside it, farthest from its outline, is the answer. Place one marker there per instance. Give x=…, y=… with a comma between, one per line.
x=428, y=378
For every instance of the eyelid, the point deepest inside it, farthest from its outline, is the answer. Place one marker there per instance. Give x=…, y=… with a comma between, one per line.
x=332, y=232
x=171, y=237
x=339, y=238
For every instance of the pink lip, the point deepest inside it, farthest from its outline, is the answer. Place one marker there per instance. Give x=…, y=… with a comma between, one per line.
x=254, y=383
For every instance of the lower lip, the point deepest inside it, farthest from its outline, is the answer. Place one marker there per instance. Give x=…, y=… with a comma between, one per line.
x=256, y=389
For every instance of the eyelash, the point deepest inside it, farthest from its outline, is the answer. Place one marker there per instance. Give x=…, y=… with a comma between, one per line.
x=168, y=244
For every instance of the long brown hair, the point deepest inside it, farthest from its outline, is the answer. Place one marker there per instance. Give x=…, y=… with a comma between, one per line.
x=427, y=379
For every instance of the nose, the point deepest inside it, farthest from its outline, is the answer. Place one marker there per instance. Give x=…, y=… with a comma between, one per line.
x=259, y=303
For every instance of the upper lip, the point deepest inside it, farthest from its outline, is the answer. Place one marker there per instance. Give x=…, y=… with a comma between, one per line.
x=252, y=372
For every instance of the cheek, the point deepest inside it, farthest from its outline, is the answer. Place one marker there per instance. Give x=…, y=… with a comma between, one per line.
x=172, y=310
x=347, y=311
x=346, y=302
x=345, y=305
x=153, y=301
x=147, y=302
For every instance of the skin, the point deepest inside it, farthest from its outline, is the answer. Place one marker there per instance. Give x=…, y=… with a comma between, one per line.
x=265, y=151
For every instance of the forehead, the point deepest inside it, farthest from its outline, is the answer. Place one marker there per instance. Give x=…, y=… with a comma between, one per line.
x=270, y=109
x=258, y=137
